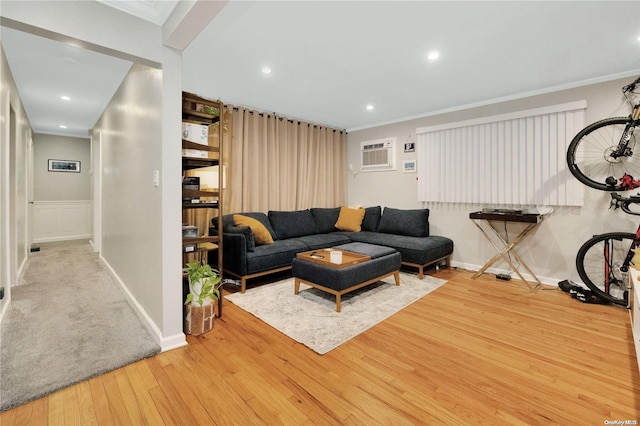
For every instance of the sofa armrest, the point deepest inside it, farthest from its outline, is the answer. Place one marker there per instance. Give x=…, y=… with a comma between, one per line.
x=234, y=252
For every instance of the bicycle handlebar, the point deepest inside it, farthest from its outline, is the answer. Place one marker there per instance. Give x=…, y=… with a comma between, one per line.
x=630, y=87
x=624, y=202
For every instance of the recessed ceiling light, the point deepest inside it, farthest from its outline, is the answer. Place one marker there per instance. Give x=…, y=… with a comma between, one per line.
x=266, y=70
x=433, y=55
x=65, y=98
x=62, y=126
x=369, y=107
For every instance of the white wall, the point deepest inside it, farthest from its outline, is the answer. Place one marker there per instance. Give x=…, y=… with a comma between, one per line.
x=131, y=151
x=60, y=186
x=159, y=238
x=550, y=250
x=61, y=207
x=15, y=135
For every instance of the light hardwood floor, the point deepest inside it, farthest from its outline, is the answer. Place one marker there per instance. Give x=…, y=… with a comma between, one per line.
x=472, y=352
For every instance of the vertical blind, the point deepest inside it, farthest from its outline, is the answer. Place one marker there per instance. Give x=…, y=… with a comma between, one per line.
x=512, y=159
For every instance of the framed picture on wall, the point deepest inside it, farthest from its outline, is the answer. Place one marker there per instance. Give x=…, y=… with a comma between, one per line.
x=64, y=166
x=409, y=166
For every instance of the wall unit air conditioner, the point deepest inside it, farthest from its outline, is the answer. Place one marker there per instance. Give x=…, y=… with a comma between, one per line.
x=378, y=155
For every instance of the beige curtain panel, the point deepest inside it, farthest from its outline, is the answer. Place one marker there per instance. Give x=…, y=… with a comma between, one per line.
x=274, y=163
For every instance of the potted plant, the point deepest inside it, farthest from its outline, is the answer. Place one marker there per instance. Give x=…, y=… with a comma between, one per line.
x=204, y=289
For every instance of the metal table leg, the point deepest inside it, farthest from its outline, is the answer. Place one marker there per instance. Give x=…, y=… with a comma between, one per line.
x=508, y=248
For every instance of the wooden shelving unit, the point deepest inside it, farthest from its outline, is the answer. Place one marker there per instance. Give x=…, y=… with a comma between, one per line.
x=198, y=114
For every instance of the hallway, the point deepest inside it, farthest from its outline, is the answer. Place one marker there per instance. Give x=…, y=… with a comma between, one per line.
x=68, y=321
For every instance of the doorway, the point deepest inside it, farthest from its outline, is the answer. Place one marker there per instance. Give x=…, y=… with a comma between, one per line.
x=7, y=150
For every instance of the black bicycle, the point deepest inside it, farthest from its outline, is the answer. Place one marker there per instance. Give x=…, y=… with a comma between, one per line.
x=603, y=262
x=602, y=154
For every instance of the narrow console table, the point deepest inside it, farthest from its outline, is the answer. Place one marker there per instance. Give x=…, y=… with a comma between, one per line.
x=530, y=219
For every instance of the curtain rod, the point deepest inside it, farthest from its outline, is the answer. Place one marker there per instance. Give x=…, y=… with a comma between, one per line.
x=262, y=114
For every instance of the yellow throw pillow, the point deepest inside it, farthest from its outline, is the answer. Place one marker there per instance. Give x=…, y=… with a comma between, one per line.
x=350, y=219
x=260, y=233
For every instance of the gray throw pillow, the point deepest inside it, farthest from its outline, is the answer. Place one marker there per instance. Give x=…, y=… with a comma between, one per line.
x=412, y=223
x=326, y=218
x=293, y=224
x=371, y=219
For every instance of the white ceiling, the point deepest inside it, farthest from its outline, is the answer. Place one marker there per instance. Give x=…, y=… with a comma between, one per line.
x=330, y=59
x=155, y=11
x=44, y=70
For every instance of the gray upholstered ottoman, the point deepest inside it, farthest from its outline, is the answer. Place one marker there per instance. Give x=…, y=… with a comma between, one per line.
x=341, y=279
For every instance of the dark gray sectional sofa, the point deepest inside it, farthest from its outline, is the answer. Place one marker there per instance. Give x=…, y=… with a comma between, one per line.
x=293, y=232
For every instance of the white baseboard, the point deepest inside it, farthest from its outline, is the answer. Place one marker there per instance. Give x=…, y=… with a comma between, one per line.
x=22, y=268
x=65, y=238
x=4, y=307
x=6, y=302
x=472, y=267
x=173, y=342
x=165, y=343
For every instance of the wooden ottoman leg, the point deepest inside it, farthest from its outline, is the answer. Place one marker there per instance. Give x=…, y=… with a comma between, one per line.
x=338, y=302
x=296, y=286
x=396, y=275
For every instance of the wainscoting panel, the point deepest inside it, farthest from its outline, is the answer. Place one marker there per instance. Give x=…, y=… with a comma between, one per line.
x=61, y=220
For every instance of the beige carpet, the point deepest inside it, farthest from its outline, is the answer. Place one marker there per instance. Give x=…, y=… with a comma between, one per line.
x=68, y=321
x=311, y=318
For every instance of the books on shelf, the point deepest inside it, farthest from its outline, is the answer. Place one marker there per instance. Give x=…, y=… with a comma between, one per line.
x=189, y=231
x=190, y=183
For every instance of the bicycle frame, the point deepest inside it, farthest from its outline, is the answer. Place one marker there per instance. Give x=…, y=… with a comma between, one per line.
x=618, y=158
x=627, y=261
x=622, y=149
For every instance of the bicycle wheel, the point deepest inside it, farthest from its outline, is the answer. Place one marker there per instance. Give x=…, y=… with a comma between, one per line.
x=589, y=155
x=599, y=262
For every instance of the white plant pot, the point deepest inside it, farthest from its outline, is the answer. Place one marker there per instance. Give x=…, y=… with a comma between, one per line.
x=195, y=289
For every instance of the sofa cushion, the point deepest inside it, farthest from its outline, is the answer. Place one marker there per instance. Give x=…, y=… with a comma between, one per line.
x=291, y=224
x=246, y=231
x=326, y=218
x=261, y=234
x=413, y=223
x=416, y=250
x=350, y=219
x=271, y=256
x=318, y=241
x=371, y=218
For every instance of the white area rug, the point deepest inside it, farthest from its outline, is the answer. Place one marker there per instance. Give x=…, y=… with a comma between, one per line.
x=311, y=318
